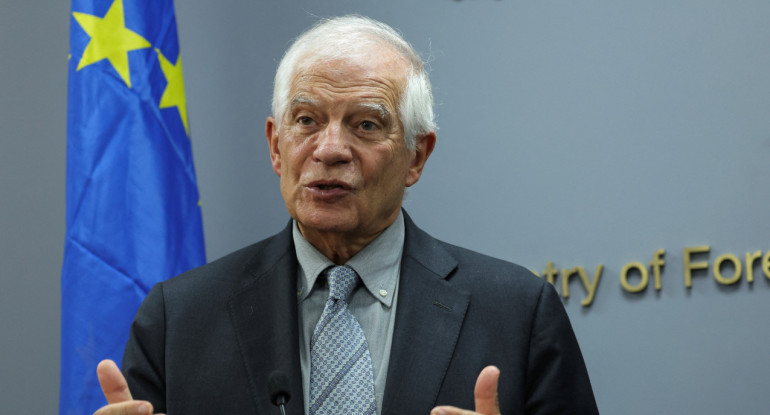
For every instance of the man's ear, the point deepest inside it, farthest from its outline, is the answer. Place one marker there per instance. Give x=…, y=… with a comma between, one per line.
x=424, y=145
x=271, y=132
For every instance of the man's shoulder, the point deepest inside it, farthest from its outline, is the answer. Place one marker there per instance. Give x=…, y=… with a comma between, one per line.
x=466, y=267
x=470, y=258
x=476, y=268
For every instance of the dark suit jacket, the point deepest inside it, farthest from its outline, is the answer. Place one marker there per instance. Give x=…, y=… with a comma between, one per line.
x=205, y=341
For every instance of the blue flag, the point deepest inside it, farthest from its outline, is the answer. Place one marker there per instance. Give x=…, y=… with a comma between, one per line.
x=133, y=210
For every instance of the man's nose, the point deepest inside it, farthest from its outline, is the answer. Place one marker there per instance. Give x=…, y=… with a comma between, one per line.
x=332, y=145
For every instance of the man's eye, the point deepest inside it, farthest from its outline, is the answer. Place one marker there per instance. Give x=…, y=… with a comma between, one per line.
x=368, y=126
x=305, y=121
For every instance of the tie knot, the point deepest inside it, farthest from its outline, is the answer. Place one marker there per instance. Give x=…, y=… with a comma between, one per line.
x=342, y=281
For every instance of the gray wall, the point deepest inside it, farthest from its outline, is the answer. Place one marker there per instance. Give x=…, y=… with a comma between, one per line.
x=576, y=132
x=33, y=87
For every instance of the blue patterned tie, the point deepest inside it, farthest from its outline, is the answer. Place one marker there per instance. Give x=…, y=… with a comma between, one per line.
x=341, y=375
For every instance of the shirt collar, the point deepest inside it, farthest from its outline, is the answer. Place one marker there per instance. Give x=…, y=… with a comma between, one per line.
x=378, y=264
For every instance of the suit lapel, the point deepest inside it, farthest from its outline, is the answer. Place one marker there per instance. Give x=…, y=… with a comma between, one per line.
x=264, y=315
x=429, y=315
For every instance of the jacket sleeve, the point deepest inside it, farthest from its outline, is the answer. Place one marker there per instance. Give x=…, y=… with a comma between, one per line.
x=143, y=359
x=557, y=379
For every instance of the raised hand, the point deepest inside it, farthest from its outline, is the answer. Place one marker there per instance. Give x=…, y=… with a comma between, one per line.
x=484, y=395
x=115, y=389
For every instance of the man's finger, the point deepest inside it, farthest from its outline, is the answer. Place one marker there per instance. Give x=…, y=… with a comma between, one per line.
x=485, y=393
x=113, y=383
x=126, y=408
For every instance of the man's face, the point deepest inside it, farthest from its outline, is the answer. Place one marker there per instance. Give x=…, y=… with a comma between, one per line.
x=340, y=148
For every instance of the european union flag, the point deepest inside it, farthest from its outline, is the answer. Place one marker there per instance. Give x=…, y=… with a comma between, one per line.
x=133, y=213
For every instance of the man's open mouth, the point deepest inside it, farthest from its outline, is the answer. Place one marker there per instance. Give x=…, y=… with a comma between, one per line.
x=328, y=186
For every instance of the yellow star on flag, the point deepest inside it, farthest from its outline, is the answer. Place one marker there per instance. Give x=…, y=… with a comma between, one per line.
x=173, y=95
x=110, y=39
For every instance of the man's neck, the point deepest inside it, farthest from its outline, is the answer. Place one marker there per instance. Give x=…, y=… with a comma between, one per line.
x=337, y=246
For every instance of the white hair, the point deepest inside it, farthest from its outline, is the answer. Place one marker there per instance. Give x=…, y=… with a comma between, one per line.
x=348, y=37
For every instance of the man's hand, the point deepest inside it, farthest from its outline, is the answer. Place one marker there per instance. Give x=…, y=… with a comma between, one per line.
x=115, y=388
x=485, y=395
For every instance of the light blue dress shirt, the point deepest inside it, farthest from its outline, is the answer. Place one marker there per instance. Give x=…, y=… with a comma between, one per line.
x=373, y=303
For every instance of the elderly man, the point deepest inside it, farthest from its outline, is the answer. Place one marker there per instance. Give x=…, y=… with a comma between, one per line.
x=358, y=309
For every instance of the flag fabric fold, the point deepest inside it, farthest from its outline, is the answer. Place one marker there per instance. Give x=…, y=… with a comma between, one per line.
x=133, y=209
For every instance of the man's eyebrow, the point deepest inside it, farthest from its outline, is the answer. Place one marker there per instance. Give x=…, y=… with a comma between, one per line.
x=380, y=108
x=301, y=100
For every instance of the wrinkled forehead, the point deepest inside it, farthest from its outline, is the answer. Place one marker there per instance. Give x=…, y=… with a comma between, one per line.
x=374, y=73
